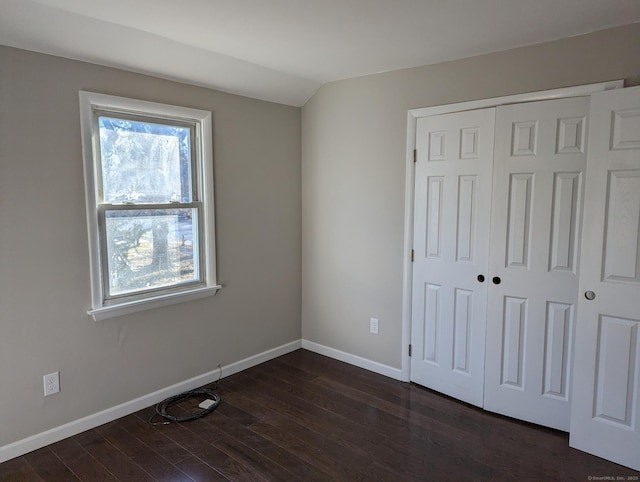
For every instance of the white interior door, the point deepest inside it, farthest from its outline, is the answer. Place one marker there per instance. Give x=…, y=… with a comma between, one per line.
x=605, y=416
x=451, y=244
x=540, y=158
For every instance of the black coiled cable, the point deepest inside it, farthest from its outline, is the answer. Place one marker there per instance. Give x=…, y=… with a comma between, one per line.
x=162, y=407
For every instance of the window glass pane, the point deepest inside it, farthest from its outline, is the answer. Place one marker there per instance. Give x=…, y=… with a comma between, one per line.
x=144, y=162
x=148, y=249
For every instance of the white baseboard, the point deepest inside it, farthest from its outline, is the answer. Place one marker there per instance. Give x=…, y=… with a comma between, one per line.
x=358, y=361
x=53, y=435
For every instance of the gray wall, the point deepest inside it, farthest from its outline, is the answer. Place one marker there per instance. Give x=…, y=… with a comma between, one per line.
x=353, y=174
x=44, y=264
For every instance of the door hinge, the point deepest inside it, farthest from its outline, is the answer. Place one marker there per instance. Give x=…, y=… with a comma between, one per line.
x=415, y=155
x=413, y=255
x=410, y=350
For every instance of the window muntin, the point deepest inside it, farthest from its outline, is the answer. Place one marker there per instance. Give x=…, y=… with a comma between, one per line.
x=149, y=191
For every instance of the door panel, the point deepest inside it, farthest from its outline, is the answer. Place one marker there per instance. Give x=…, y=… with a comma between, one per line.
x=539, y=165
x=606, y=391
x=451, y=243
x=621, y=228
x=615, y=367
x=519, y=220
x=467, y=189
x=558, y=326
x=513, y=331
x=566, y=196
x=462, y=322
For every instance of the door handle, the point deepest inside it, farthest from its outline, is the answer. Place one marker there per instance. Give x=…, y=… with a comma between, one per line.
x=481, y=278
x=590, y=295
x=496, y=280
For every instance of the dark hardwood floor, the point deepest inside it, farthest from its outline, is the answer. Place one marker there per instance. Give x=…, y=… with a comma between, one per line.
x=307, y=417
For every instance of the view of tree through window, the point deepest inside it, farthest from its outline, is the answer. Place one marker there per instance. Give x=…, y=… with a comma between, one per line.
x=151, y=241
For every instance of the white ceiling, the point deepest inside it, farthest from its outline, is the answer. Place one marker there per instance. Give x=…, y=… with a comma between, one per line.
x=283, y=50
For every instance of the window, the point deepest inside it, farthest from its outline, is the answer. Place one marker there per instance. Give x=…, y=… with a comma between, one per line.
x=149, y=191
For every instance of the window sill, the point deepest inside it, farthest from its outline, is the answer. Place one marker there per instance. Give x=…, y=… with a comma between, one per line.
x=127, y=308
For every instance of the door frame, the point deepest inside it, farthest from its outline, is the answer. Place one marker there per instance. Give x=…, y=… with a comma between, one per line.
x=412, y=117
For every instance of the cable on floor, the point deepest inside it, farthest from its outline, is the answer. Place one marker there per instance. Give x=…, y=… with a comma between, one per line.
x=163, y=407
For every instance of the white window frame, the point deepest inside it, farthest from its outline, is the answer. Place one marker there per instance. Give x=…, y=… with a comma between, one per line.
x=101, y=307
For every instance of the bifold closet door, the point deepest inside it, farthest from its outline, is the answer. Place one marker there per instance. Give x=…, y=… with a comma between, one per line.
x=451, y=245
x=605, y=414
x=539, y=165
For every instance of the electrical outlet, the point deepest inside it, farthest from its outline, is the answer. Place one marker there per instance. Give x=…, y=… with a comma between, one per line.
x=51, y=383
x=373, y=325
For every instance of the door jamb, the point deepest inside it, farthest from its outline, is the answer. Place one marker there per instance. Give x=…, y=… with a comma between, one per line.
x=412, y=117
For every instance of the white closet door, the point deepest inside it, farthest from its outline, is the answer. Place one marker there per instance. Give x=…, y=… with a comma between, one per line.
x=540, y=158
x=605, y=417
x=451, y=244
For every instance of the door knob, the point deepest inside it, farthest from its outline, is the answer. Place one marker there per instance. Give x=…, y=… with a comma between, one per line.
x=590, y=295
x=496, y=280
x=481, y=278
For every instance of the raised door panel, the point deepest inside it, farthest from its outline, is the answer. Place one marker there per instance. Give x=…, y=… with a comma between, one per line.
x=462, y=324
x=519, y=219
x=466, y=229
x=431, y=322
x=616, y=354
x=567, y=187
x=622, y=227
x=435, y=190
x=557, y=345
x=513, y=333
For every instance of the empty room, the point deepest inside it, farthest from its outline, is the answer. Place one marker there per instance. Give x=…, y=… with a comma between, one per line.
x=319, y=240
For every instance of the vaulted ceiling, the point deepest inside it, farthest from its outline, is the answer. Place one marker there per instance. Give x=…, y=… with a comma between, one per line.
x=284, y=50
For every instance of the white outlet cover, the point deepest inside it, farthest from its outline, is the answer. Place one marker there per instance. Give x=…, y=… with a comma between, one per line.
x=373, y=325
x=51, y=383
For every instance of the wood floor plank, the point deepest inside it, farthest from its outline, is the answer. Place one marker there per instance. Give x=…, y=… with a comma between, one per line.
x=348, y=442
x=80, y=462
x=18, y=469
x=200, y=471
x=500, y=435
x=330, y=451
x=399, y=425
x=393, y=443
x=140, y=453
x=253, y=460
x=203, y=449
x=237, y=423
x=315, y=449
x=307, y=417
x=365, y=410
x=159, y=442
x=111, y=457
x=48, y=466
